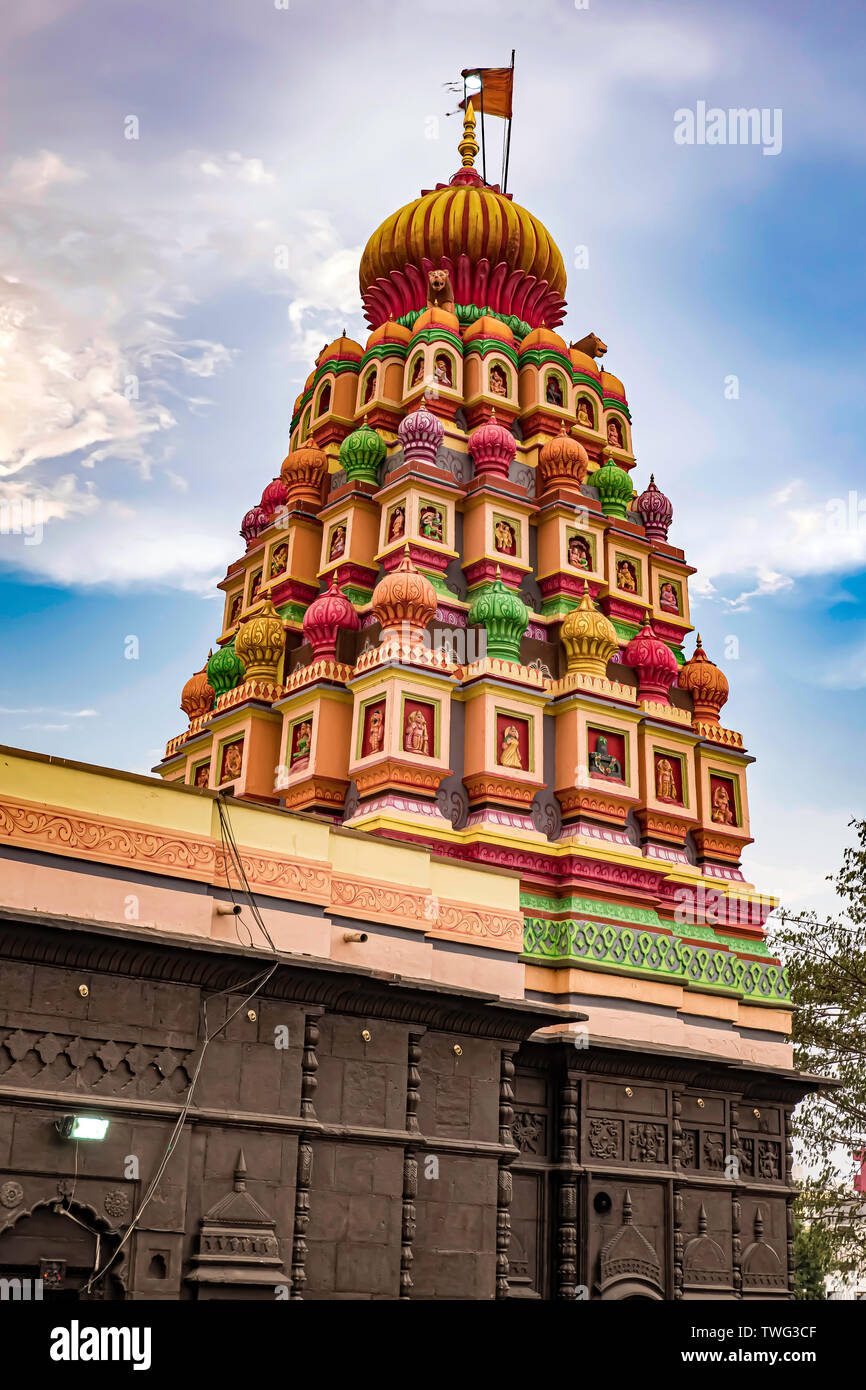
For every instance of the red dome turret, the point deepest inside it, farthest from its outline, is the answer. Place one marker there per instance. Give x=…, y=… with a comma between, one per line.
x=656, y=510
x=327, y=616
x=273, y=497
x=492, y=446
x=654, y=662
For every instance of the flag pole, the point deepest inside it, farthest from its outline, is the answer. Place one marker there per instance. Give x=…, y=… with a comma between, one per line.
x=508, y=136
x=483, y=144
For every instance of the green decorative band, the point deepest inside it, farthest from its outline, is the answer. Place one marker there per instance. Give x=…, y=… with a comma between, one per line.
x=547, y=357
x=623, y=912
x=438, y=335
x=360, y=597
x=467, y=314
x=439, y=583
x=557, y=606
x=584, y=379
x=625, y=631
x=293, y=612
x=627, y=951
x=614, y=403
x=379, y=350
x=485, y=345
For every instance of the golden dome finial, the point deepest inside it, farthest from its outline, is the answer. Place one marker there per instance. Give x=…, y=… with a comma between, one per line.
x=468, y=146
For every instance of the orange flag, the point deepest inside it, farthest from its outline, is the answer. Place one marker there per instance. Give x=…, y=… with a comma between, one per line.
x=497, y=85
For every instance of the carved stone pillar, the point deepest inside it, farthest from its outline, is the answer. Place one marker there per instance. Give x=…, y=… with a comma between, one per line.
x=677, y=1191
x=410, y=1164
x=304, y=1172
x=566, y=1267
x=504, y=1190
x=789, y=1200
x=736, y=1210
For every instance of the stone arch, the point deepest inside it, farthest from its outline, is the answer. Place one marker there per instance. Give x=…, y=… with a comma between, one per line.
x=71, y=1233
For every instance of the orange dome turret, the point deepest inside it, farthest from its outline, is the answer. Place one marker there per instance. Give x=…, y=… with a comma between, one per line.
x=404, y=601
x=707, y=685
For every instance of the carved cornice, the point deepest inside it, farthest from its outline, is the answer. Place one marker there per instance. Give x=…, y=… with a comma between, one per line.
x=100, y=839
x=214, y=965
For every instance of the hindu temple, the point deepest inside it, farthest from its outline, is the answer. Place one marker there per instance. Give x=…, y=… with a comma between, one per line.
x=454, y=776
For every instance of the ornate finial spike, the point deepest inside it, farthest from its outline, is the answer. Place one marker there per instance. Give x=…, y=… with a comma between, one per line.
x=468, y=146
x=499, y=572
x=240, y=1172
x=759, y=1223
x=702, y=1220
x=699, y=643
x=586, y=588
x=626, y=1208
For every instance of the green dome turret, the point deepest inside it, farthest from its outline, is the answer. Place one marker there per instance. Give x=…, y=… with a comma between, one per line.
x=225, y=670
x=361, y=453
x=504, y=616
x=614, y=488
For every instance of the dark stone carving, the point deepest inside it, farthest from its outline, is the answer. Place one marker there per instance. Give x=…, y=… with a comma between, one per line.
x=628, y=1258
x=91, y=1063
x=769, y=1160
x=762, y=1268
x=704, y=1262
x=647, y=1143
x=529, y=1132
x=746, y=1155
x=689, y=1150
x=605, y=1138
x=237, y=1245
x=714, y=1151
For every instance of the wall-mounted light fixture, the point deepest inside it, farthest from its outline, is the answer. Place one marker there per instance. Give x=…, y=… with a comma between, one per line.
x=82, y=1127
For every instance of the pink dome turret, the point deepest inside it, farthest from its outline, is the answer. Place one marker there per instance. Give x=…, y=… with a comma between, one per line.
x=273, y=497
x=654, y=662
x=327, y=616
x=656, y=510
x=420, y=434
x=255, y=521
x=492, y=447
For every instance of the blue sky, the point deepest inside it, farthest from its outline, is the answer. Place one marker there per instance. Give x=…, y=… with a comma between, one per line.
x=154, y=261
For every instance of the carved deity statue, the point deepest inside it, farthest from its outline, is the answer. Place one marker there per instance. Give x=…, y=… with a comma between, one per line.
x=375, y=731
x=721, y=812
x=302, y=744
x=626, y=578
x=553, y=392
x=430, y=523
x=614, y=434
x=417, y=371
x=509, y=752
x=397, y=524
x=442, y=370
x=338, y=543
x=583, y=414
x=602, y=762
x=666, y=787
x=668, y=598
x=232, y=760
x=504, y=538
x=370, y=387
x=578, y=553
x=202, y=775
x=498, y=381
x=415, y=736
x=279, y=559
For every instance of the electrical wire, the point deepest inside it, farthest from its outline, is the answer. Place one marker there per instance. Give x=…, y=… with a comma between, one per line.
x=257, y=983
